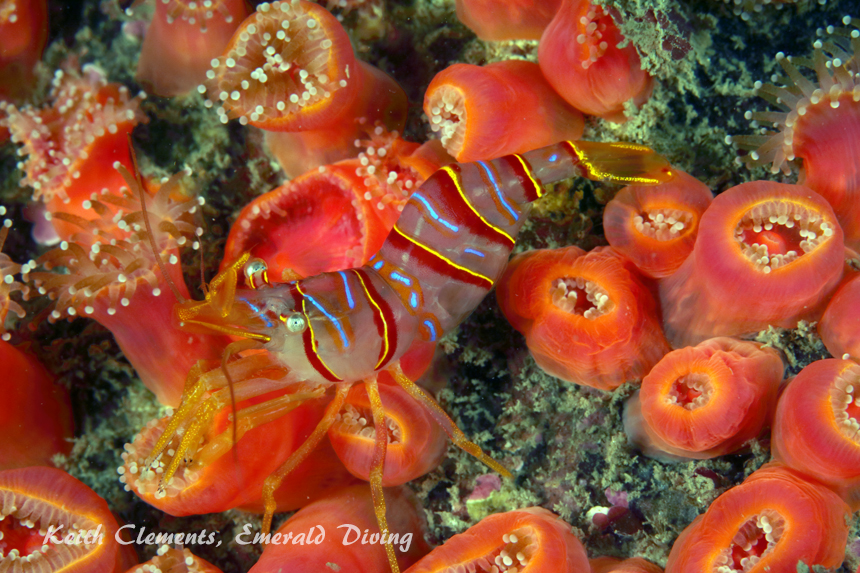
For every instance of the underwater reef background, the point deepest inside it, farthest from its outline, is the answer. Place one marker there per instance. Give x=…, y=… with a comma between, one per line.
x=564, y=443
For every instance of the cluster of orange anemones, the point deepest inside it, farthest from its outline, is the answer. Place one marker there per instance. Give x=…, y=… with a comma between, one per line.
x=588, y=317
x=290, y=69
x=484, y=112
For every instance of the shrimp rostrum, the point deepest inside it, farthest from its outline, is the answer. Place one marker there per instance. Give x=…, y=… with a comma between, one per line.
x=333, y=330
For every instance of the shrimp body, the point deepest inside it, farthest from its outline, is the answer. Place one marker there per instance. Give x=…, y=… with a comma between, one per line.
x=449, y=246
x=442, y=257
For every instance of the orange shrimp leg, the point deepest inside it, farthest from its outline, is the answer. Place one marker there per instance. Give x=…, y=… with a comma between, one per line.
x=456, y=434
x=378, y=466
x=273, y=482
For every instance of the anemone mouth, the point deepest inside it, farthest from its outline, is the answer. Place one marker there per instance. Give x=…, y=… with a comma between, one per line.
x=581, y=297
x=691, y=391
x=279, y=64
x=135, y=474
x=843, y=401
x=664, y=224
x=313, y=224
x=756, y=538
x=773, y=234
x=359, y=422
x=22, y=512
x=448, y=117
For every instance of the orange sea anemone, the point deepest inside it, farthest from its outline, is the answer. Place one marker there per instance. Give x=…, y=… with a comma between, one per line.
x=587, y=318
x=36, y=414
x=816, y=429
x=580, y=57
x=38, y=501
x=8, y=284
x=72, y=145
x=24, y=29
x=175, y=560
x=819, y=125
x=290, y=68
x=770, y=522
x=531, y=539
x=766, y=254
x=497, y=20
x=838, y=326
x=112, y=276
x=181, y=41
x=416, y=443
x=655, y=227
x=485, y=112
x=335, y=217
x=220, y=475
x=632, y=565
x=704, y=401
x=352, y=538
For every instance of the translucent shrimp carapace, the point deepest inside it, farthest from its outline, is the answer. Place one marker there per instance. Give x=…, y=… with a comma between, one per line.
x=815, y=430
x=838, y=326
x=655, y=227
x=705, y=401
x=182, y=40
x=290, y=68
x=770, y=522
x=416, y=443
x=39, y=500
x=351, y=538
x=497, y=20
x=766, y=254
x=587, y=317
x=818, y=124
x=580, y=57
x=531, y=539
x=484, y=112
x=36, y=413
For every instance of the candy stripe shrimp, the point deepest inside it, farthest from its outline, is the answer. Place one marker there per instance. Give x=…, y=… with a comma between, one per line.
x=335, y=329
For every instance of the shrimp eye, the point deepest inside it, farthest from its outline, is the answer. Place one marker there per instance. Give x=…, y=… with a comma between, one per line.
x=296, y=322
x=255, y=272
